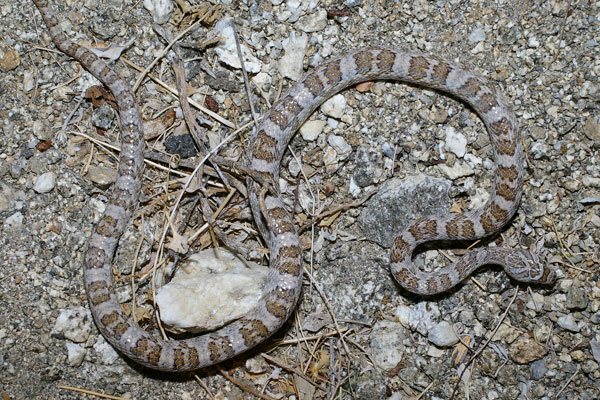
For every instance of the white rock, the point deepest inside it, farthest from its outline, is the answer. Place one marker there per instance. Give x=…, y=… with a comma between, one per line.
x=212, y=288
x=45, y=182
x=340, y=145
x=311, y=130
x=314, y=22
x=386, y=343
x=455, y=142
x=291, y=64
x=227, y=51
x=75, y=354
x=74, y=324
x=476, y=36
x=14, y=221
x=420, y=318
x=334, y=107
x=442, y=335
x=105, y=351
x=353, y=188
x=159, y=9
x=536, y=302
x=568, y=322
x=330, y=159
x=458, y=170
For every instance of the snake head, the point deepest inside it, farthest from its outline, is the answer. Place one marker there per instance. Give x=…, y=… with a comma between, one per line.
x=526, y=266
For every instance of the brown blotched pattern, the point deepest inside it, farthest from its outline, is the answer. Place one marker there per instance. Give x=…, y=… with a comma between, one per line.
x=264, y=151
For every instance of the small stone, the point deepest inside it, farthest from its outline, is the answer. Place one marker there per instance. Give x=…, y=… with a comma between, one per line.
x=159, y=9
x=45, y=182
x=74, y=324
x=368, y=166
x=103, y=177
x=442, y=335
x=103, y=117
x=568, y=322
x=181, y=144
x=330, y=159
x=438, y=115
x=291, y=64
x=577, y=298
x=10, y=60
x=458, y=170
x=595, y=346
x=311, y=130
x=340, y=145
x=15, y=221
x=538, y=369
x=105, y=351
x=227, y=51
x=334, y=107
x=455, y=142
x=11, y=198
x=591, y=129
x=212, y=288
x=314, y=22
x=420, y=318
x=525, y=350
x=75, y=354
x=476, y=36
x=386, y=343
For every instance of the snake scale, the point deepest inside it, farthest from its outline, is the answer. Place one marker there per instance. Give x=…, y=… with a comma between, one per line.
x=266, y=147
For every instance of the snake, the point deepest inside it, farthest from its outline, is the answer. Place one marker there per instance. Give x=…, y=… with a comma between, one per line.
x=265, y=148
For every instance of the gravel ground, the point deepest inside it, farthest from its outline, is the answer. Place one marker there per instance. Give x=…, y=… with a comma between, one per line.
x=53, y=185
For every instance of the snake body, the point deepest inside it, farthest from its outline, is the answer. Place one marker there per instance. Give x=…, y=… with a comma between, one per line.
x=263, y=156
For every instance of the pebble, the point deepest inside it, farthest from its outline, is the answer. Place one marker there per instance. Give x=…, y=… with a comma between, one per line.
x=442, y=335
x=212, y=288
x=386, y=343
x=591, y=129
x=568, y=322
x=74, y=324
x=11, y=198
x=105, y=351
x=181, y=144
x=75, y=354
x=314, y=22
x=102, y=176
x=45, y=182
x=595, y=346
x=159, y=9
x=340, y=145
x=368, y=166
x=103, y=117
x=334, y=107
x=538, y=369
x=311, y=130
x=455, y=142
x=226, y=50
x=330, y=159
x=458, y=170
x=14, y=221
x=291, y=64
x=577, y=298
x=525, y=350
x=476, y=36
x=420, y=317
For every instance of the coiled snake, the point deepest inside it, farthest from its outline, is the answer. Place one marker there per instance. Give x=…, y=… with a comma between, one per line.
x=263, y=157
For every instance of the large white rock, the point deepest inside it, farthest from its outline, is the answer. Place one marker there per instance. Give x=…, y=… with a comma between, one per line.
x=209, y=290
